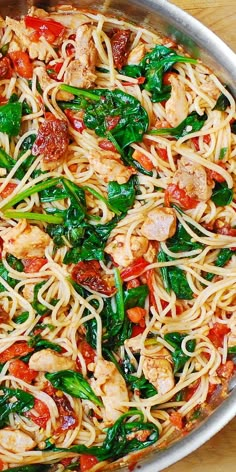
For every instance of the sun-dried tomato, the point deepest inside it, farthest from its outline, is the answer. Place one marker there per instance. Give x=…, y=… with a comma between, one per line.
x=52, y=140
x=119, y=46
x=5, y=68
x=112, y=122
x=89, y=273
x=67, y=416
x=33, y=264
x=107, y=145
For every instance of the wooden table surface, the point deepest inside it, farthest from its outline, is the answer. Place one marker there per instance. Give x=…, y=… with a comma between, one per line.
x=218, y=454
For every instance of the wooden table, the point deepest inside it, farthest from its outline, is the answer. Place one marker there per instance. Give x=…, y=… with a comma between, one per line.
x=218, y=454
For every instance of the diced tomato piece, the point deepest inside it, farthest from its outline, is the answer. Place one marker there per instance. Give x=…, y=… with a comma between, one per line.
x=4, y=316
x=167, y=77
x=107, y=145
x=89, y=273
x=53, y=71
x=112, y=122
x=22, y=64
x=217, y=334
x=211, y=390
x=33, y=264
x=76, y=123
x=48, y=28
x=43, y=413
x=5, y=68
x=149, y=274
x=49, y=389
x=87, y=462
x=137, y=315
x=191, y=390
x=212, y=174
x=224, y=229
x=135, y=269
x=1, y=465
x=22, y=371
x=226, y=370
x=162, y=153
x=17, y=349
x=119, y=46
x=67, y=415
x=87, y=352
x=8, y=189
x=207, y=138
x=143, y=160
x=133, y=283
x=180, y=196
x=176, y=419
x=195, y=142
x=136, y=330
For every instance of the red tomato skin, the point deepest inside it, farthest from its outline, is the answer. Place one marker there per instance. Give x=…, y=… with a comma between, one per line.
x=226, y=370
x=22, y=64
x=33, y=264
x=43, y=413
x=87, y=352
x=112, y=122
x=8, y=189
x=18, y=349
x=88, y=273
x=22, y=371
x=52, y=140
x=119, y=46
x=5, y=68
x=177, y=420
x=136, y=330
x=217, y=334
x=76, y=123
x=48, y=28
x=87, y=462
x=176, y=194
x=107, y=145
x=135, y=269
x=1, y=465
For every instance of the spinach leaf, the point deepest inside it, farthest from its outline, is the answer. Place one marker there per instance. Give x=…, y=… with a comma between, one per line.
x=134, y=71
x=28, y=142
x=15, y=263
x=21, y=318
x=222, y=195
x=224, y=256
x=191, y=124
x=232, y=350
x=146, y=389
x=26, y=108
x=135, y=296
x=182, y=241
x=175, y=339
x=23, y=401
x=179, y=283
x=121, y=196
x=222, y=102
x=117, y=442
x=74, y=384
x=38, y=343
x=113, y=114
x=52, y=194
x=32, y=468
x=10, y=118
x=5, y=275
x=7, y=162
x=129, y=161
x=162, y=257
x=39, y=307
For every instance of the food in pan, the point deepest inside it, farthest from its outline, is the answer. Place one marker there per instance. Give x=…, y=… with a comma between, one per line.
x=118, y=240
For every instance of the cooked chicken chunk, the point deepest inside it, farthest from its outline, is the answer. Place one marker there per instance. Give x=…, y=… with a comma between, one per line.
x=159, y=372
x=160, y=224
x=177, y=105
x=28, y=292
x=111, y=386
x=45, y=80
x=108, y=165
x=193, y=179
x=138, y=245
x=81, y=71
x=48, y=360
x=16, y=441
x=137, y=54
x=25, y=240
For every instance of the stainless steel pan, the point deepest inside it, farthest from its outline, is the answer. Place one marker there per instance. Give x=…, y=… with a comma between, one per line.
x=199, y=42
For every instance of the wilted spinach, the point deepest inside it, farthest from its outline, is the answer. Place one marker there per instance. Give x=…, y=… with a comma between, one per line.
x=222, y=102
x=174, y=278
x=10, y=118
x=222, y=195
x=23, y=401
x=224, y=256
x=74, y=384
x=121, y=196
x=191, y=124
x=179, y=358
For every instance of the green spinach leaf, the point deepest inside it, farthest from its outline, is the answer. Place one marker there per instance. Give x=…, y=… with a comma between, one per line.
x=135, y=296
x=10, y=118
x=175, y=339
x=121, y=196
x=191, y=124
x=222, y=102
x=222, y=195
x=74, y=384
x=14, y=401
x=224, y=256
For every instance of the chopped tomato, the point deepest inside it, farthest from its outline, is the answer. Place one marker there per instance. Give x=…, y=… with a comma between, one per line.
x=8, y=190
x=43, y=413
x=22, y=64
x=88, y=273
x=107, y=145
x=149, y=279
x=5, y=68
x=137, y=315
x=191, y=390
x=119, y=46
x=211, y=390
x=217, y=334
x=49, y=29
x=22, y=371
x=212, y=174
x=207, y=138
x=162, y=153
x=177, y=195
x=76, y=123
x=167, y=77
x=67, y=415
x=139, y=81
x=17, y=349
x=53, y=71
x=4, y=316
x=135, y=269
x=49, y=389
x=1, y=465
x=112, y=122
x=143, y=160
x=195, y=142
x=224, y=228
x=176, y=419
x=87, y=352
x=33, y=264
x=87, y=462
x=226, y=370
x=133, y=283
x=136, y=330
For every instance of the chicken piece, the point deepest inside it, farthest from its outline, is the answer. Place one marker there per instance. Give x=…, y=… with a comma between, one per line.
x=177, y=105
x=111, y=386
x=16, y=441
x=109, y=166
x=158, y=371
x=160, y=224
x=193, y=179
x=48, y=360
x=45, y=80
x=28, y=292
x=81, y=71
x=137, y=54
x=25, y=240
x=138, y=245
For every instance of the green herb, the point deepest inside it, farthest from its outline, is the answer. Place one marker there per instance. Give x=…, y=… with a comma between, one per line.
x=7, y=162
x=175, y=340
x=30, y=191
x=50, y=219
x=104, y=105
x=222, y=195
x=128, y=160
x=14, y=401
x=223, y=153
x=232, y=350
x=102, y=198
x=222, y=102
x=135, y=296
x=26, y=108
x=118, y=443
x=191, y=124
x=121, y=196
x=74, y=384
x=195, y=415
x=21, y=318
x=224, y=256
x=39, y=307
x=146, y=389
x=10, y=118
x=28, y=142
x=182, y=241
